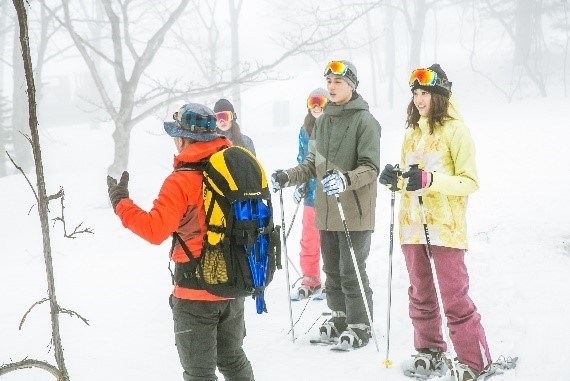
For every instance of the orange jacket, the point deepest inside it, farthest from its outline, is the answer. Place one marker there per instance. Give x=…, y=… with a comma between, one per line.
x=179, y=207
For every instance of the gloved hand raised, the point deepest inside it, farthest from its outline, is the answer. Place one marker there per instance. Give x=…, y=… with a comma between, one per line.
x=389, y=176
x=417, y=178
x=300, y=193
x=334, y=182
x=279, y=180
x=119, y=191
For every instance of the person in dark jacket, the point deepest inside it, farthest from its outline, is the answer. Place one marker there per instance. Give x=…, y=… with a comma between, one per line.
x=228, y=126
x=344, y=156
x=208, y=329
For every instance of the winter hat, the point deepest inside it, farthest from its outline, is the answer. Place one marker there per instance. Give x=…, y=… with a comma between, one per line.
x=193, y=121
x=350, y=77
x=320, y=92
x=225, y=105
x=441, y=85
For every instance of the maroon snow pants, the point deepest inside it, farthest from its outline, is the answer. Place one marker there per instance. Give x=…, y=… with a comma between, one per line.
x=463, y=320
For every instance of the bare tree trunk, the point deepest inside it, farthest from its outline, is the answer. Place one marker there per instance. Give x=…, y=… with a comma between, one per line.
x=372, y=55
x=390, y=55
x=41, y=189
x=3, y=105
x=19, y=126
x=122, y=139
x=234, y=30
x=417, y=33
x=567, y=29
x=523, y=31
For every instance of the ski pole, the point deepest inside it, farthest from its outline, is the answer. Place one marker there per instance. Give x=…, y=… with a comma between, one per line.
x=293, y=219
x=435, y=280
x=356, y=270
x=286, y=267
x=287, y=236
x=393, y=188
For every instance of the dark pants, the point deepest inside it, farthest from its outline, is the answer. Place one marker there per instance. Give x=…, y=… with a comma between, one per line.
x=210, y=335
x=343, y=291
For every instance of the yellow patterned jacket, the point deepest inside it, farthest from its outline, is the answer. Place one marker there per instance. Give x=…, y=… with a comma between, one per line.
x=449, y=154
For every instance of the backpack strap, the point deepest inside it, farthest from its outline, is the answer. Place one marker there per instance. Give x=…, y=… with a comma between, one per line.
x=198, y=166
x=176, y=237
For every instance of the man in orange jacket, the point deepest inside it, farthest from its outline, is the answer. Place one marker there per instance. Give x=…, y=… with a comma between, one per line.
x=208, y=329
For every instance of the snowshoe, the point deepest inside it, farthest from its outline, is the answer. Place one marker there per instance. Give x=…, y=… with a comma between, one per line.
x=355, y=336
x=331, y=329
x=427, y=363
x=305, y=292
x=466, y=373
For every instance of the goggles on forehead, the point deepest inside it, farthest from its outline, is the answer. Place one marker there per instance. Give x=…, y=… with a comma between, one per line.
x=224, y=116
x=194, y=122
x=340, y=68
x=336, y=67
x=427, y=77
x=316, y=101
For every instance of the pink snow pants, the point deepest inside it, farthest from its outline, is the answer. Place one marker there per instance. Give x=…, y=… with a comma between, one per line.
x=310, y=255
x=463, y=320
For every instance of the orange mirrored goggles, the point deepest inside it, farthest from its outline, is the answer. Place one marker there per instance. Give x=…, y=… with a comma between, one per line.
x=427, y=77
x=336, y=67
x=316, y=101
x=224, y=116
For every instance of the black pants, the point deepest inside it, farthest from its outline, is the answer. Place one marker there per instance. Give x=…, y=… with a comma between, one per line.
x=210, y=335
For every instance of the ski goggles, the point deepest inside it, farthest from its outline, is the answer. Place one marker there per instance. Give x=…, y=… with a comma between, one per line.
x=316, y=101
x=427, y=77
x=340, y=68
x=224, y=116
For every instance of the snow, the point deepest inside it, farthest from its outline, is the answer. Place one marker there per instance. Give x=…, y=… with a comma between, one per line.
x=519, y=257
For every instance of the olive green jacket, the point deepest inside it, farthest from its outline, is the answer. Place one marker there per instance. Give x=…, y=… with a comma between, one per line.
x=346, y=138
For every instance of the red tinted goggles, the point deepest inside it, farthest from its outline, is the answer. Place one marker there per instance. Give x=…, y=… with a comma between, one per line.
x=316, y=101
x=224, y=116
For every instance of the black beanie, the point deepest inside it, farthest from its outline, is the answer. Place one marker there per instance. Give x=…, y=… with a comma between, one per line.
x=224, y=105
x=442, y=85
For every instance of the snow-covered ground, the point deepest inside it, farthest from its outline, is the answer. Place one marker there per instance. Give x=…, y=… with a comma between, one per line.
x=519, y=257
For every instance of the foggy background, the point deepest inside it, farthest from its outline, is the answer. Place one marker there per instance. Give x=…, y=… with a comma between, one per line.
x=108, y=73
x=114, y=64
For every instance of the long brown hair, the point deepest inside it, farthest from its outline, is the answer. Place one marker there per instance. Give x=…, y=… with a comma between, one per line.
x=309, y=123
x=235, y=132
x=437, y=112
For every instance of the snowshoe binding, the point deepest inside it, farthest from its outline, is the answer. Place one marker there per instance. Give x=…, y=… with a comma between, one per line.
x=427, y=363
x=355, y=336
x=330, y=330
x=466, y=373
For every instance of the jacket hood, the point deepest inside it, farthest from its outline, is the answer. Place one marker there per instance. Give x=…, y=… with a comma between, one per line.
x=198, y=151
x=357, y=103
x=453, y=109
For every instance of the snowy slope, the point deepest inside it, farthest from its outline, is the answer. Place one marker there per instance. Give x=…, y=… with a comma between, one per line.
x=519, y=258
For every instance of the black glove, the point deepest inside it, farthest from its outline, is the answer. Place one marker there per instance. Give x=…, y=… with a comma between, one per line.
x=417, y=179
x=389, y=176
x=119, y=191
x=279, y=180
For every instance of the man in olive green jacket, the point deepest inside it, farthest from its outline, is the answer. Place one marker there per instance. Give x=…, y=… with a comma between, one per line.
x=344, y=156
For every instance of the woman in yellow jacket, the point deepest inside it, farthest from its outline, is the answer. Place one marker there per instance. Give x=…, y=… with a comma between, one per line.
x=438, y=160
